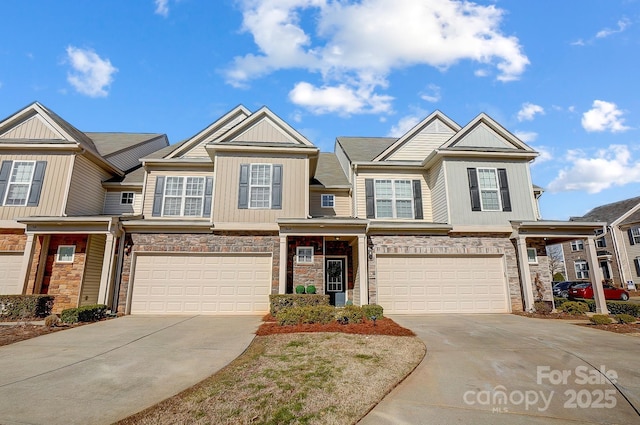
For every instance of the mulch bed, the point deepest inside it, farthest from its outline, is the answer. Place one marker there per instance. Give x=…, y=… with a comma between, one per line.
x=627, y=328
x=384, y=326
x=20, y=332
x=562, y=316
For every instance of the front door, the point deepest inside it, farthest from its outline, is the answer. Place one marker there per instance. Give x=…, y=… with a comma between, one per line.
x=335, y=281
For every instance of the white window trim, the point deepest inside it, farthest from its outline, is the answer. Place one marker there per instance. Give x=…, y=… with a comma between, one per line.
x=394, y=199
x=73, y=255
x=183, y=196
x=635, y=232
x=298, y=255
x=122, y=198
x=10, y=183
x=577, y=245
x=333, y=200
x=496, y=190
x=535, y=256
x=269, y=186
x=581, y=273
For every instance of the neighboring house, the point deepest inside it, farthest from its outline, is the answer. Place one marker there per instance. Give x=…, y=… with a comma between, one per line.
x=61, y=194
x=618, y=246
x=444, y=219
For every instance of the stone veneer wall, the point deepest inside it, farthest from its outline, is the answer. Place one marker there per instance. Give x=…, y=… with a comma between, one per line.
x=221, y=242
x=63, y=280
x=540, y=272
x=305, y=274
x=12, y=240
x=458, y=244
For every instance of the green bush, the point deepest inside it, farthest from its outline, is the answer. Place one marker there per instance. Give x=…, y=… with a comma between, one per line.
x=575, y=308
x=600, y=319
x=371, y=310
x=87, y=313
x=280, y=301
x=625, y=318
x=311, y=289
x=617, y=307
x=300, y=289
x=558, y=277
x=306, y=315
x=558, y=301
x=542, y=307
x=350, y=314
x=25, y=306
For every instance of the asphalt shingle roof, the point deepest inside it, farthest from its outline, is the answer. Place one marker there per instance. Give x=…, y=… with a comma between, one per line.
x=609, y=212
x=329, y=172
x=110, y=143
x=364, y=148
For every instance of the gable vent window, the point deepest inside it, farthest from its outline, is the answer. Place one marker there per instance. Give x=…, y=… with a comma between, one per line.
x=21, y=182
x=489, y=189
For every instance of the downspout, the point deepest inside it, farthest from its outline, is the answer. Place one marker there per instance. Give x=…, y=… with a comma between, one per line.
x=118, y=277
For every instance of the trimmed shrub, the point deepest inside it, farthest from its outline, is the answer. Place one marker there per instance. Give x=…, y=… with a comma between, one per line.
x=306, y=315
x=311, y=289
x=558, y=277
x=558, y=301
x=300, y=289
x=625, y=318
x=280, y=301
x=87, y=313
x=600, y=319
x=350, y=314
x=542, y=307
x=25, y=306
x=51, y=320
x=575, y=308
x=371, y=310
x=617, y=307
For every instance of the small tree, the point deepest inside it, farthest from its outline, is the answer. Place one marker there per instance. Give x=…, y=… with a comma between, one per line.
x=555, y=257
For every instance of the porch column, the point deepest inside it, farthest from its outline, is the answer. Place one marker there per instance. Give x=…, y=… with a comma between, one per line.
x=363, y=269
x=596, y=277
x=27, y=258
x=525, y=274
x=107, y=269
x=282, y=275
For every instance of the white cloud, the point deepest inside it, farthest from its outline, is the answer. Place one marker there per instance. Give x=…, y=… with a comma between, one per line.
x=354, y=46
x=433, y=95
x=526, y=136
x=603, y=116
x=612, y=166
x=544, y=155
x=529, y=111
x=340, y=99
x=162, y=7
x=90, y=75
x=404, y=125
x=622, y=25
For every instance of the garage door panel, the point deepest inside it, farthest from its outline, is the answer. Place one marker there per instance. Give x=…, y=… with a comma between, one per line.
x=442, y=284
x=10, y=274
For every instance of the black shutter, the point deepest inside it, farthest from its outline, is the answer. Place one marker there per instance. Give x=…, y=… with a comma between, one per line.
x=276, y=187
x=243, y=187
x=630, y=233
x=636, y=261
x=474, y=190
x=208, y=192
x=5, y=169
x=417, y=200
x=369, y=196
x=504, y=189
x=157, y=197
x=36, y=184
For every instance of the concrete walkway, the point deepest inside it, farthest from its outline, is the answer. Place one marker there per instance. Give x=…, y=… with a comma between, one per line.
x=506, y=369
x=103, y=372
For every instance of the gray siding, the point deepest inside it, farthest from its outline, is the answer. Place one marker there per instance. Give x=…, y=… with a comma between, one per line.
x=92, y=270
x=86, y=194
x=484, y=137
x=460, y=201
x=112, y=205
x=344, y=162
x=437, y=183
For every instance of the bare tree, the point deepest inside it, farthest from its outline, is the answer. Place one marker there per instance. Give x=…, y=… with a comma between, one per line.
x=555, y=257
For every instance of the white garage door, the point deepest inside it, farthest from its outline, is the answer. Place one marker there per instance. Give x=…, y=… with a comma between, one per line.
x=201, y=284
x=10, y=273
x=441, y=284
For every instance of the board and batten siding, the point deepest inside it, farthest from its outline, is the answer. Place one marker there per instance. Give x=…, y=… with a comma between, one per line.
x=266, y=132
x=33, y=128
x=112, y=205
x=147, y=206
x=520, y=193
x=53, y=188
x=361, y=202
x=86, y=194
x=438, y=185
x=92, y=270
x=341, y=204
x=200, y=151
x=295, y=184
x=484, y=137
x=131, y=157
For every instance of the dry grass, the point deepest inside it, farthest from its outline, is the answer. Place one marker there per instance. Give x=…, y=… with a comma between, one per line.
x=303, y=378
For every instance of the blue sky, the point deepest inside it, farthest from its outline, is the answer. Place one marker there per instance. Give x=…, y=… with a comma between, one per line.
x=561, y=75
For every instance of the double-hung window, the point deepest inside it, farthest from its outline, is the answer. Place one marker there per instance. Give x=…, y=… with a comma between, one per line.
x=19, y=183
x=304, y=255
x=577, y=245
x=532, y=256
x=634, y=235
x=260, y=186
x=394, y=199
x=489, y=193
x=582, y=269
x=489, y=189
x=183, y=196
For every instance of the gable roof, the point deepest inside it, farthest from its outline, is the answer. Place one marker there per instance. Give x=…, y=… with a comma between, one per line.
x=611, y=212
x=364, y=149
x=494, y=129
x=329, y=173
x=633, y=218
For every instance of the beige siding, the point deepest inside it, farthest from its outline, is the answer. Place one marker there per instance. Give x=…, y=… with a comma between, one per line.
x=484, y=137
x=265, y=131
x=92, y=270
x=392, y=174
x=86, y=194
x=131, y=158
x=341, y=208
x=53, y=189
x=423, y=143
x=147, y=207
x=460, y=201
x=437, y=183
x=112, y=205
x=199, y=151
x=294, y=190
x=33, y=128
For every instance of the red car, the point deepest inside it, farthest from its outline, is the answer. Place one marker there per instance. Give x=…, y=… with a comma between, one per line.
x=584, y=290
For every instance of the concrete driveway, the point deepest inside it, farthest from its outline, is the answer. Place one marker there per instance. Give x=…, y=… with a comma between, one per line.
x=506, y=369
x=103, y=372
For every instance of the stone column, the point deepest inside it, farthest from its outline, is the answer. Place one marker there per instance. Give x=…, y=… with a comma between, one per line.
x=282, y=275
x=362, y=268
x=596, y=277
x=525, y=274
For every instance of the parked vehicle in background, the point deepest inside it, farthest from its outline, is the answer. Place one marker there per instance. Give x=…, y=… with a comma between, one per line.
x=585, y=290
x=560, y=289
